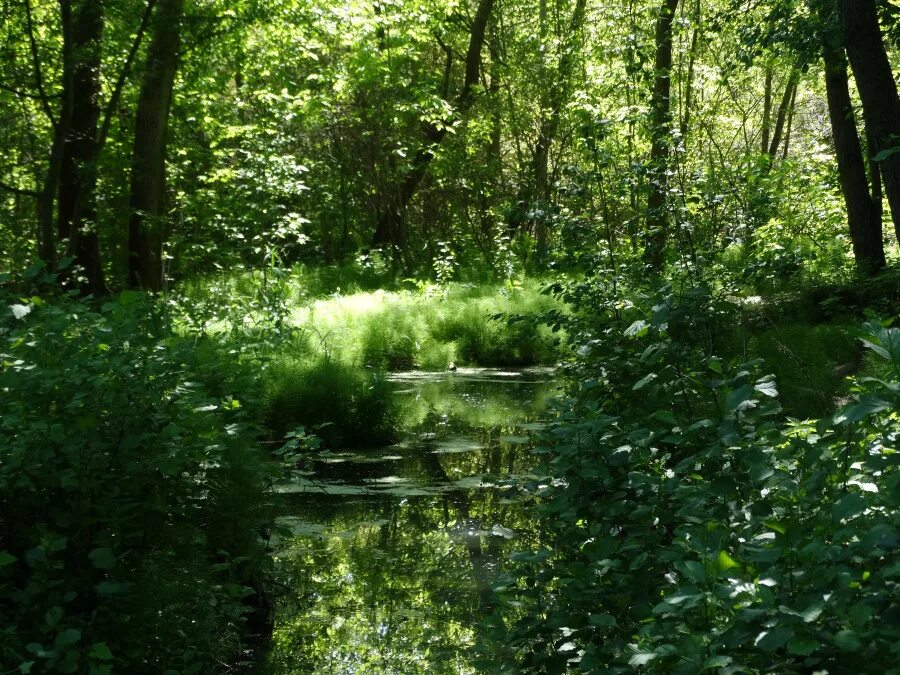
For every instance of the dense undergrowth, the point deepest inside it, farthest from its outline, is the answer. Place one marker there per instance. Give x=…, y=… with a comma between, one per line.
x=132, y=493
x=695, y=525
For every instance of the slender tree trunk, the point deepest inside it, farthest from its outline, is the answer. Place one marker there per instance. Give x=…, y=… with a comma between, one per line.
x=661, y=138
x=61, y=125
x=767, y=112
x=77, y=198
x=863, y=217
x=878, y=91
x=783, y=109
x=557, y=95
x=148, y=165
x=689, y=77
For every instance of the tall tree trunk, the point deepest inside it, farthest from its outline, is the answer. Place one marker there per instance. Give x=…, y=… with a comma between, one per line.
x=878, y=91
x=661, y=138
x=77, y=198
x=390, y=223
x=146, y=229
x=781, y=115
x=863, y=217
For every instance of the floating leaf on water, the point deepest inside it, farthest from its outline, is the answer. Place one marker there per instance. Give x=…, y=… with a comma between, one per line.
x=457, y=445
x=505, y=532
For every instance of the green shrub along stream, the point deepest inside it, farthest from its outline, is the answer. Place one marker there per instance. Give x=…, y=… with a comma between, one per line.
x=697, y=523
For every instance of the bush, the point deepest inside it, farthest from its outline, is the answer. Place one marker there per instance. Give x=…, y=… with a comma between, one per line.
x=130, y=497
x=694, y=527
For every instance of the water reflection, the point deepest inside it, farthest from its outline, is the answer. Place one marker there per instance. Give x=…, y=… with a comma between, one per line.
x=388, y=554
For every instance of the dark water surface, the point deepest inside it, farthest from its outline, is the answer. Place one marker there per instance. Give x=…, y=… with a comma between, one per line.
x=392, y=550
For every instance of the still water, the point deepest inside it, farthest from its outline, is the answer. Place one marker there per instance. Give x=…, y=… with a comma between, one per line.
x=391, y=552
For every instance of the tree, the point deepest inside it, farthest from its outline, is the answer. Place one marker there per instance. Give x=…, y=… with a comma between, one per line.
x=863, y=212
x=76, y=203
x=146, y=227
x=661, y=138
x=878, y=91
x=390, y=222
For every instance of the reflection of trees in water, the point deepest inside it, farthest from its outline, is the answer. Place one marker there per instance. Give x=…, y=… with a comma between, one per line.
x=401, y=584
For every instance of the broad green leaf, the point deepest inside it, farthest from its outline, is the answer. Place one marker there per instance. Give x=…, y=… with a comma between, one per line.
x=770, y=641
x=848, y=640
x=717, y=662
x=67, y=637
x=101, y=651
x=103, y=558
x=602, y=620
x=849, y=505
x=737, y=397
x=802, y=645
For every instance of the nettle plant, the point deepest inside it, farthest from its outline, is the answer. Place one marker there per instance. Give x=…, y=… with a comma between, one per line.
x=696, y=528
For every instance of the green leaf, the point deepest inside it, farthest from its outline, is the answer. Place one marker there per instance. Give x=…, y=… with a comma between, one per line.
x=103, y=558
x=865, y=406
x=644, y=381
x=693, y=570
x=717, y=662
x=602, y=620
x=109, y=587
x=53, y=616
x=770, y=641
x=884, y=154
x=638, y=329
x=766, y=386
x=725, y=562
x=848, y=506
x=737, y=397
x=848, y=640
x=101, y=651
x=802, y=645
x=640, y=656
x=67, y=637
x=6, y=558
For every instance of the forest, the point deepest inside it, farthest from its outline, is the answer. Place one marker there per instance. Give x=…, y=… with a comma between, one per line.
x=449, y=336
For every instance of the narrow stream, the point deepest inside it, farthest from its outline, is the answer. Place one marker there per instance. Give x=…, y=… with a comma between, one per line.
x=393, y=550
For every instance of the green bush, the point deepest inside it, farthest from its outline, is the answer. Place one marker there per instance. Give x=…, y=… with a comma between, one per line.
x=131, y=497
x=693, y=527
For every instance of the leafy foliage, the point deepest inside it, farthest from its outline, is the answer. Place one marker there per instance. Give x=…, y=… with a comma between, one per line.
x=131, y=494
x=695, y=528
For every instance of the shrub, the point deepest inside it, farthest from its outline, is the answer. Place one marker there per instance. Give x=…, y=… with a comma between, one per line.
x=345, y=406
x=130, y=497
x=693, y=527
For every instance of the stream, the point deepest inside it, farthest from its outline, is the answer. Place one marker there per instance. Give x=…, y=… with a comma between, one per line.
x=391, y=551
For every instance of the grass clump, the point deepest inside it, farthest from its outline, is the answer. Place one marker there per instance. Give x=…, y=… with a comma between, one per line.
x=343, y=405
x=471, y=325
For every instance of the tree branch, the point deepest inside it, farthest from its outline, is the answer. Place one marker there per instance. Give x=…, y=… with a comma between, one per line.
x=19, y=191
